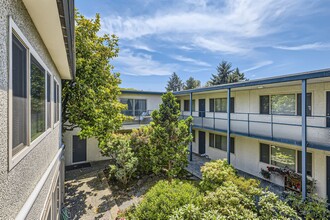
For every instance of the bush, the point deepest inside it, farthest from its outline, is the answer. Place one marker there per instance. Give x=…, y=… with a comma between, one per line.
x=272, y=207
x=142, y=147
x=165, y=197
x=230, y=202
x=193, y=212
x=312, y=208
x=215, y=173
x=125, y=160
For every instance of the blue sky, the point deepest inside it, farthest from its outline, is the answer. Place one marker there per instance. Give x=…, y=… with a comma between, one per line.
x=190, y=37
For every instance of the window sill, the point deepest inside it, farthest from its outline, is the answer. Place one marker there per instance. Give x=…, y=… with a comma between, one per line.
x=21, y=154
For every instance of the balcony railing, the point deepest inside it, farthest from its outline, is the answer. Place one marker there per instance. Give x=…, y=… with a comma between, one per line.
x=281, y=128
x=138, y=117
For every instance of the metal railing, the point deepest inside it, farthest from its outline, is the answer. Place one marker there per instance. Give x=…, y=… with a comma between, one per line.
x=282, y=128
x=137, y=117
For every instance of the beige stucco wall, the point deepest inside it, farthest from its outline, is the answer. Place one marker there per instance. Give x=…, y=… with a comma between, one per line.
x=247, y=154
x=17, y=184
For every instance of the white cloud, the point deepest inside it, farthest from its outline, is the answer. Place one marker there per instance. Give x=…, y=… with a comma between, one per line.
x=140, y=64
x=313, y=46
x=237, y=23
x=142, y=47
x=259, y=65
x=190, y=60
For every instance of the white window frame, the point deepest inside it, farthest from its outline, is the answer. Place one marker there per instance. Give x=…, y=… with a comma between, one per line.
x=56, y=123
x=13, y=160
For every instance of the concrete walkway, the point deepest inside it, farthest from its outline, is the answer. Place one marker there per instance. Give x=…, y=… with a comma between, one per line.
x=194, y=167
x=87, y=194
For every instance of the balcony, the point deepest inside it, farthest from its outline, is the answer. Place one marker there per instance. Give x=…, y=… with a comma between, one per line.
x=137, y=118
x=280, y=128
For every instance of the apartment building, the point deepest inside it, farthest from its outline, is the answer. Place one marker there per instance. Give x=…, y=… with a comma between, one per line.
x=36, y=53
x=274, y=124
x=140, y=105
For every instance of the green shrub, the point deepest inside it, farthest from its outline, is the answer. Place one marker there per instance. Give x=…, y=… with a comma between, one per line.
x=215, y=173
x=312, y=208
x=249, y=187
x=230, y=202
x=193, y=212
x=125, y=160
x=164, y=198
x=272, y=207
x=142, y=147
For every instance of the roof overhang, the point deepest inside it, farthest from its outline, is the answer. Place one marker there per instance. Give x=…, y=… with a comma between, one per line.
x=139, y=92
x=315, y=76
x=46, y=16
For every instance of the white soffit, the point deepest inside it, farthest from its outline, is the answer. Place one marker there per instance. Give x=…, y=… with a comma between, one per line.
x=45, y=16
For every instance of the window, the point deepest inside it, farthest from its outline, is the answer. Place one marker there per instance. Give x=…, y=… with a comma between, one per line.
x=264, y=104
x=283, y=104
x=220, y=105
x=308, y=104
x=135, y=107
x=19, y=96
x=56, y=101
x=186, y=106
x=308, y=163
x=220, y=142
x=264, y=153
x=283, y=157
x=194, y=135
x=38, y=112
x=49, y=120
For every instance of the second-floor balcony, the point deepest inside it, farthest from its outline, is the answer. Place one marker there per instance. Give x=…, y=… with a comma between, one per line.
x=280, y=128
x=137, y=117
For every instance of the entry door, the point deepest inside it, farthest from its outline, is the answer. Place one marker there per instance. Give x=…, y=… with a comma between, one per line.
x=201, y=104
x=328, y=109
x=328, y=178
x=201, y=142
x=79, y=149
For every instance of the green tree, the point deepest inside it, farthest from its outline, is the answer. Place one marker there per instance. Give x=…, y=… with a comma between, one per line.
x=90, y=102
x=170, y=137
x=174, y=84
x=192, y=83
x=236, y=76
x=225, y=74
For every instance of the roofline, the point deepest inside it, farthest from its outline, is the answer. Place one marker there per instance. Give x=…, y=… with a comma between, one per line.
x=270, y=80
x=66, y=13
x=142, y=92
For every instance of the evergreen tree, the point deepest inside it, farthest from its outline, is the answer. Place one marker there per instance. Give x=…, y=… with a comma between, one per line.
x=192, y=83
x=174, y=84
x=236, y=76
x=170, y=137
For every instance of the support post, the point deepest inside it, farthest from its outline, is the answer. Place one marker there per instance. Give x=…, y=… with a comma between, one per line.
x=304, y=138
x=228, y=125
x=190, y=128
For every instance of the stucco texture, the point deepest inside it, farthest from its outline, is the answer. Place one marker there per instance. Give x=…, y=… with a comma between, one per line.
x=17, y=184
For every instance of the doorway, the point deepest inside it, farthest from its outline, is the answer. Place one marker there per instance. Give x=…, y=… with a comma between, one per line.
x=201, y=104
x=78, y=150
x=201, y=142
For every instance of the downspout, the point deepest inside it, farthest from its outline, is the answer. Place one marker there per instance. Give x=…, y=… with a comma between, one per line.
x=190, y=127
x=304, y=138
x=228, y=125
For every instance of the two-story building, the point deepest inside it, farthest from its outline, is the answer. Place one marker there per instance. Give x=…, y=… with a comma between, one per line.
x=140, y=105
x=36, y=54
x=273, y=124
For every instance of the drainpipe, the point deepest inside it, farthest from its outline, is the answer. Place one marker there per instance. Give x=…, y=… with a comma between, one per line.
x=304, y=138
x=190, y=128
x=228, y=125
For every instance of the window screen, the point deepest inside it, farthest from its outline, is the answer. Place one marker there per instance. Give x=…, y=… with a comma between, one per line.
x=48, y=101
x=264, y=153
x=308, y=104
x=264, y=104
x=19, y=96
x=308, y=163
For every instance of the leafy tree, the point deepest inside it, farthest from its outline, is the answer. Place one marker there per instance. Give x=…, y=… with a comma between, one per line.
x=90, y=102
x=192, y=83
x=170, y=137
x=120, y=151
x=174, y=84
x=225, y=74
